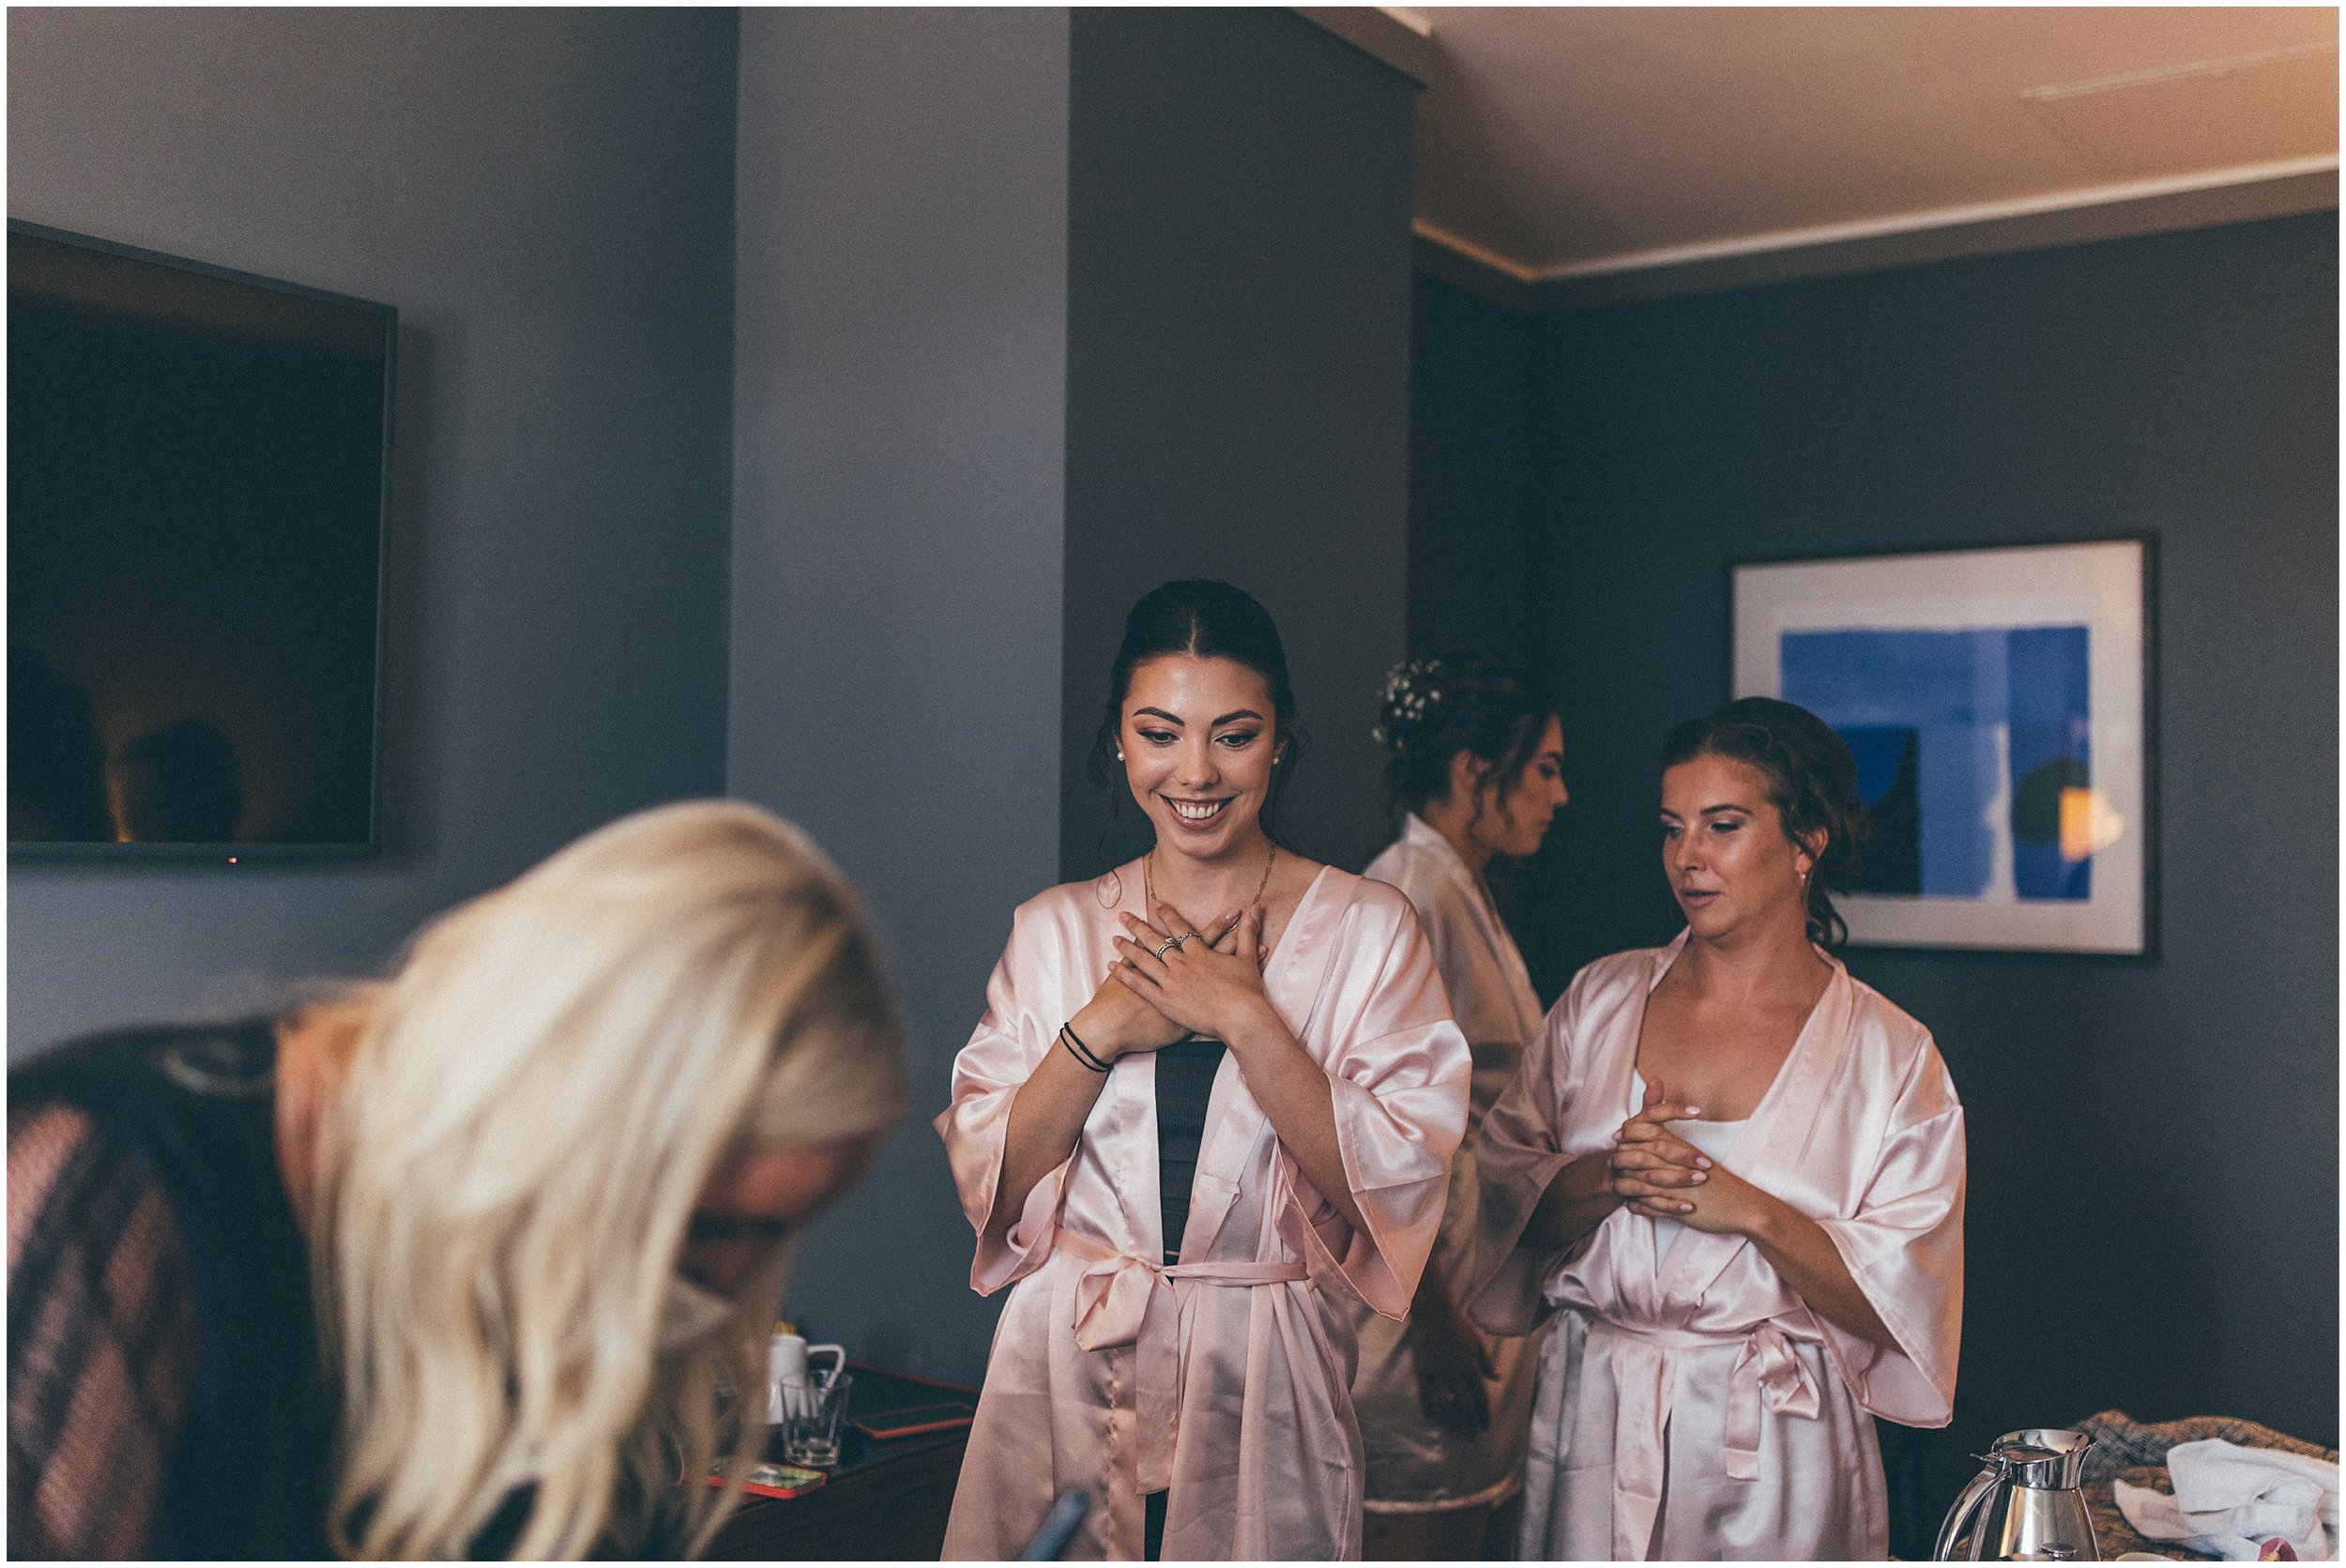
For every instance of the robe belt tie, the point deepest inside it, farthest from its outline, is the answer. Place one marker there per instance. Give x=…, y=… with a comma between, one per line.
x=1767, y=1374
x=1122, y=1300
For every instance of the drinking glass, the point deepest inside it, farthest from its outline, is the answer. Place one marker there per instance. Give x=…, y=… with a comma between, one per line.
x=811, y=1413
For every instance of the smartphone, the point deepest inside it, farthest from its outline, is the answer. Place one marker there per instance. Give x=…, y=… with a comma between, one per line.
x=772, y=1480
x=940, y=1417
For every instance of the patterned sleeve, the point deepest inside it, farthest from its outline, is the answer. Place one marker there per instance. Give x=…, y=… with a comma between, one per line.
x=100, y=1325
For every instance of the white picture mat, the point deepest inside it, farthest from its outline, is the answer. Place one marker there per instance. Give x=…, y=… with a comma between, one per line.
x=2099, y=586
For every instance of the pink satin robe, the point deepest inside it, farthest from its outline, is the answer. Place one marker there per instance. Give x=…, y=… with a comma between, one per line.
x=1224, y=1380
x=1416, y=1465
x=1704, y=1374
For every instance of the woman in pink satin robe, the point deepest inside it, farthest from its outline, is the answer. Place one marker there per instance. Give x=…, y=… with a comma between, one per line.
x=1474, y=759
x=1196, y=1384
x=1738, y=1288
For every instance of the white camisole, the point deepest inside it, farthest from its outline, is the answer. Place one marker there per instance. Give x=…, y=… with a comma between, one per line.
x=1713, y=1139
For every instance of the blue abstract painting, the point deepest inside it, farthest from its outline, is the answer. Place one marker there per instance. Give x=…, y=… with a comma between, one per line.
x=1971, y=745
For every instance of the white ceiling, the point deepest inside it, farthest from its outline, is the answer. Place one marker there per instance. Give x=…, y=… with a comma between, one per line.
x=1569, y=142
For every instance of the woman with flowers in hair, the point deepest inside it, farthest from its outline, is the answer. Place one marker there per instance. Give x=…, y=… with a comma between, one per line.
x=1474, y=763
x=1733, y=1174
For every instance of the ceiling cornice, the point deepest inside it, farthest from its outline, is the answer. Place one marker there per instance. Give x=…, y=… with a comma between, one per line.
x=2067, y=217
x=1468, y=267
x=1382, y=34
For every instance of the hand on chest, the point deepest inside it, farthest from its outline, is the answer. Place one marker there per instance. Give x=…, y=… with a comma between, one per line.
x=1719, y=1056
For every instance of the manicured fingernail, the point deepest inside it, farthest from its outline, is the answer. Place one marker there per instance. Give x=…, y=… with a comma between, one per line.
x=1701, y=1164
x=1685, y=1207
x=1697, y=1177
x=1694, y=1110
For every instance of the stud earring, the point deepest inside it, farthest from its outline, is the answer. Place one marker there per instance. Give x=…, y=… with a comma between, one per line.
x=1119, y=754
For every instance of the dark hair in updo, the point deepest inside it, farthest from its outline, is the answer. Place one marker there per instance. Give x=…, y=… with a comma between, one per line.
x=1812, y=783
x=1434, y=708
x=1213, y=620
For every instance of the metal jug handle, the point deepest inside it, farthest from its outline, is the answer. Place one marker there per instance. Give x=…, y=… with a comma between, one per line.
x=1976, y=1492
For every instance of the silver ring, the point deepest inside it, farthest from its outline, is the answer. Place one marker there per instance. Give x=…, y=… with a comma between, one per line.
x=1170, y=942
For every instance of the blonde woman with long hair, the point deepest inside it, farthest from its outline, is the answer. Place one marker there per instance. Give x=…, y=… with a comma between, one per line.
x=456, y=1262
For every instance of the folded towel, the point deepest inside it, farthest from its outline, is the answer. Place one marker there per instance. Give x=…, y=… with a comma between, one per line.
x=2228, y=1498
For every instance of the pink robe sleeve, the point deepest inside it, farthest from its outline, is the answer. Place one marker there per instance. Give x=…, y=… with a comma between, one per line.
x=1518, y=1155
x=1904, y=1249
x=1010, y=1041
x=1398, y=1084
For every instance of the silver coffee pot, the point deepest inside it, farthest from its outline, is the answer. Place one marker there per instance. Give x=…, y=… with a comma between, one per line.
x=2028, y=1505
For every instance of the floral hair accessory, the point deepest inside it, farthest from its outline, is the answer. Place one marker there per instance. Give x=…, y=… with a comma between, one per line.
x=1412, y=687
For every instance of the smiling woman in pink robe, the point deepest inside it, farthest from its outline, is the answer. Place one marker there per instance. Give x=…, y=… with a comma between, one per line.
x=1694, y=1401
x=1204, y=1394
x=1228, y=1379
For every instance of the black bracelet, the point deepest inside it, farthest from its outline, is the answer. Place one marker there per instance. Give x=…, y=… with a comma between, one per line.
x=1081, y=1051
x=1080, y=1059
x=1090, y=1055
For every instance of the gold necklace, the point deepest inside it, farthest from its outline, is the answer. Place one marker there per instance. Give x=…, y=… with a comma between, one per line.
x=1149, y=885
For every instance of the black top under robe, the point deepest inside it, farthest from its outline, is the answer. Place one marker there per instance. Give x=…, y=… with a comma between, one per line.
x=1184, y=1086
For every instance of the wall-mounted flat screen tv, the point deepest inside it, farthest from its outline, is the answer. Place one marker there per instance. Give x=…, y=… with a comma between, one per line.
x=198, y=464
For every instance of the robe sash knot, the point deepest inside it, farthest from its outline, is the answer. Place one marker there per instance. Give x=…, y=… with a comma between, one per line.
x=1767, y=1375
x=1122, y=1300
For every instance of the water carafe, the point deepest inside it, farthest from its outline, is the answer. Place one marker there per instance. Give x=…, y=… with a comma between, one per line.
x=2027, y=1506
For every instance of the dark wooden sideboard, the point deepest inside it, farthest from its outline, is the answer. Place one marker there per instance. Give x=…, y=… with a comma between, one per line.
x=886, y=1501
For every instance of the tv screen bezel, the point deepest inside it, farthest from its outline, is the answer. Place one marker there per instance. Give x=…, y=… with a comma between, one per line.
x=240, y=854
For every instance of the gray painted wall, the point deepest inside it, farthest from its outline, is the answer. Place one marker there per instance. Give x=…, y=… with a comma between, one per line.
x=2154, y=1203
x=899, y=418
x=809, y=540
x=1472, y=435
x=1237, y=379
x=546, y=196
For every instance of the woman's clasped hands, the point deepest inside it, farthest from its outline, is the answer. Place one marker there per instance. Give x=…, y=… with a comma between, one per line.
x=1204, y=983
x=1658, y=1173
x=1120, y=1019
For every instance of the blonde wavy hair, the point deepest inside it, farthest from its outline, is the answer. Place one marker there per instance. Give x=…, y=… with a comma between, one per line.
x=536, y=1101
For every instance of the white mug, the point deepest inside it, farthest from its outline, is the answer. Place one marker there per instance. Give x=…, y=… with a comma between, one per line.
x=786, y=1368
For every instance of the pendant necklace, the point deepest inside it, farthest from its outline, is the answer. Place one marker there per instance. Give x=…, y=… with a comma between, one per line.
x=1149, y=886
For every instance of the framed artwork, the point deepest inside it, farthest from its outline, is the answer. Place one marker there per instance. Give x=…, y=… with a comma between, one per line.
x=1997, y=704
